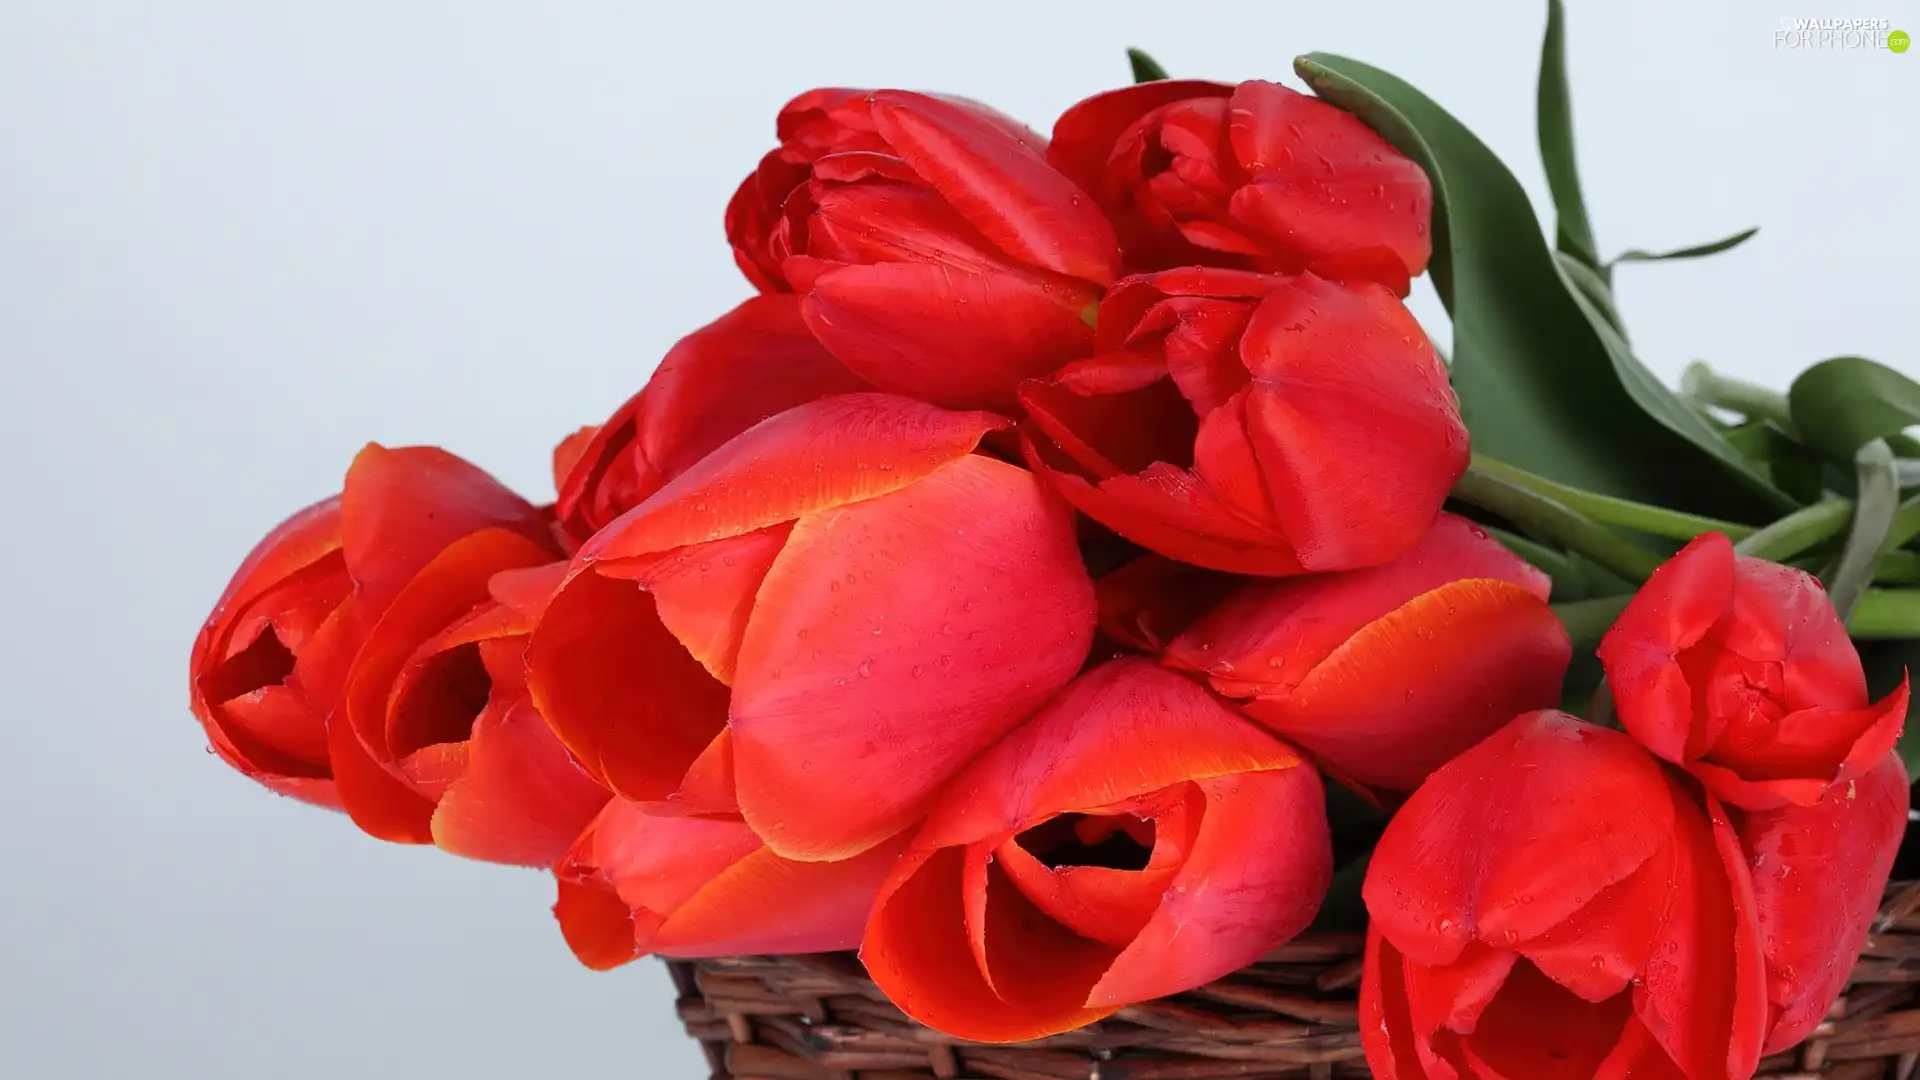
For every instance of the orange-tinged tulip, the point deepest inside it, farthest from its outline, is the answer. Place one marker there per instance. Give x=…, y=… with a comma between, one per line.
x=1134, y=839
x=636, y=883
x=271, y=663
x=756, y=360
x=1385, y=674
x=847, y=592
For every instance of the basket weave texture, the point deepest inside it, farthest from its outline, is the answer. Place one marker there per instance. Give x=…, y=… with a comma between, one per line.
x=1290, y=1015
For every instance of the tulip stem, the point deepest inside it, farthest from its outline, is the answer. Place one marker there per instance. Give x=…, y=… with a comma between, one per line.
x=1587, y=621
x=1905, y=525
x=1608, y=510
x=1553, y=519
x=1898, y=568
x=1800, y=531
x=1886, y=613
x=1755, y=402
x=1874, y=508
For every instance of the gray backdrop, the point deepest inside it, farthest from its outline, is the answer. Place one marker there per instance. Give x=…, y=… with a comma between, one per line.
x=238, y=240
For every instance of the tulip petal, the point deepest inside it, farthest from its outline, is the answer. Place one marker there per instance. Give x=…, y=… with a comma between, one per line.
x=1818, y=873
x=1543, y=785
x=1703, y=997
x=1113, y=413
x=751, y=363
x=1387, y=1031
x=1323, y=466
x=1676, y=608
x=764, y=904
x=621, y=692
x=1147, y=603
x=916, y=950
x=1088, y=134
x=946, y=334
x=1000, y=182
x=894, y=639
x=1123, y=730
x=1255, y=877
x=597, y=924
x=521, y=800
x=1536, y=1029
x=1270, y=636
x=705, y=592
x=1807, y=754
x=822, y=454
x=399, y=508
x=1414, y=689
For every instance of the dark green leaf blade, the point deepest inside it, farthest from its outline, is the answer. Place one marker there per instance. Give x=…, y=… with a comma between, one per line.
x=1145, y=68
x=1555, y=122
x=1697, y=251
x=1842, y=404
x=1538, y=385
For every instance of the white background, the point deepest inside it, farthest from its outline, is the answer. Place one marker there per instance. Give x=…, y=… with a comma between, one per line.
x=239, y=240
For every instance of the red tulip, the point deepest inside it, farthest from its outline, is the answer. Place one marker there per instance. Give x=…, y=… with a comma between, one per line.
x=437, y=699
x=838, y=607
x=1133, y=840
x=752, y=362
x=1253, y=176
x=1818, y=876
x=1254, y=423
x=1551, y=905
x=1739, y=670
x=1147, y=602
x=1385, y=674
x=271, y=662
x=635, y=883
x=938, y=254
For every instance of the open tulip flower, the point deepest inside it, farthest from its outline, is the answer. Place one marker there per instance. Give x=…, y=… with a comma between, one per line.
x=1253, y=176
x=637, y=883
x=1385, y=674
x=752, y=362
x=829, y=615
x=1255, y=423
x=407, y=549
x=937, y=252
x=1134, y=839
x=1740, y=670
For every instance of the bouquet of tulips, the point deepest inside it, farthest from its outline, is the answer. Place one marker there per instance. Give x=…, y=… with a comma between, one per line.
x=1075, y=573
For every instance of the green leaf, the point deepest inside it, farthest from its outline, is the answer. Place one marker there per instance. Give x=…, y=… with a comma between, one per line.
x=1794, y=469
x=1842, y=404
x=1694, y=252
x=1555, y=117
x=1145, y=68
x=1538, y=385
x=1593, y=286
x=1886, y=662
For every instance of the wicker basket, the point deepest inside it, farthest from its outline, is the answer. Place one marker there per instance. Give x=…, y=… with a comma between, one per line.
x=1290, y=1015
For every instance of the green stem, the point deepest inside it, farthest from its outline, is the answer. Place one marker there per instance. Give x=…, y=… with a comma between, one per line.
x=1624, y=513
x=1805, y=528
x=1898, y=568
x=1906, y=523
x=1878, y=493
x=1908, y=470
x=1587, y=621
x=1886, y=613
x=1554, y=520
x=1755, y=402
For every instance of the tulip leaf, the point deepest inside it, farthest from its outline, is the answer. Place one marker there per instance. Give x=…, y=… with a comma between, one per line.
x=1697, y=251
x=1842, y=404
x=1544, y=381
x=1145, y=68
x=1593, y=286
x=1886, y=662
x=1555, y=121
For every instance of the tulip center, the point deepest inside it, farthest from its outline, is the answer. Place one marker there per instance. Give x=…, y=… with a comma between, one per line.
x=441, y=701
x=1113, y=842
x=1538, y=1029
x=1745, y=696
x=266, y=661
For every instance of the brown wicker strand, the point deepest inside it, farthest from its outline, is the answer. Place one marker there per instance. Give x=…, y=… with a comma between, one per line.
x=1292, y=1015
